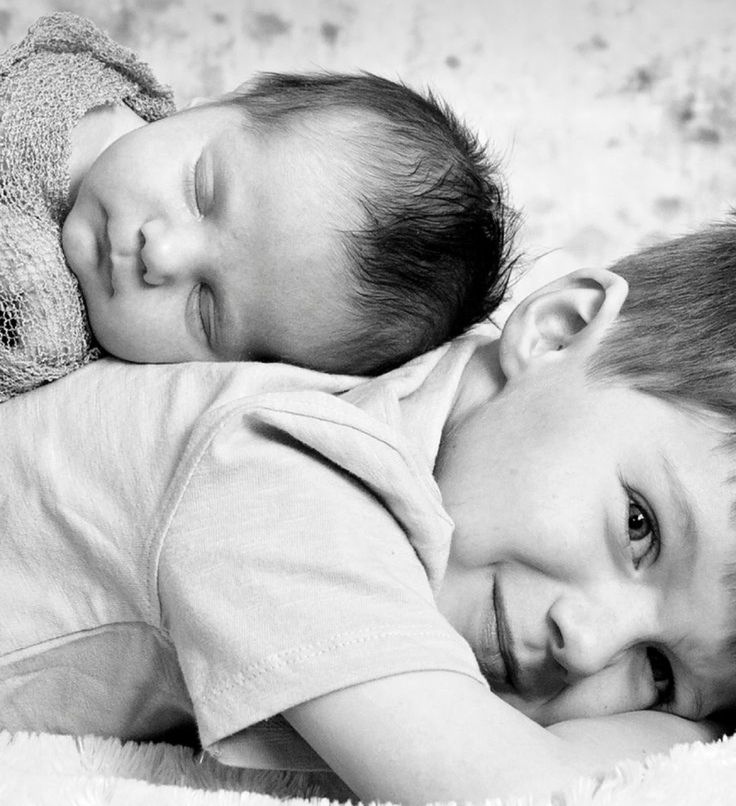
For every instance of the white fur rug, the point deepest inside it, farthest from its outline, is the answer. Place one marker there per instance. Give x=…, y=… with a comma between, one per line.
x=42, y=770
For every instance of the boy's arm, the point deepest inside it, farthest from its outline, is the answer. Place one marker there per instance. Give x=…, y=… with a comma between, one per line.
x=434, y=736
x=440, y=736
x=634, y=735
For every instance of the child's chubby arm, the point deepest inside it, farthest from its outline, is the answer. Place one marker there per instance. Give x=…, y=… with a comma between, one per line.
x=634, y=735
x=438, y=736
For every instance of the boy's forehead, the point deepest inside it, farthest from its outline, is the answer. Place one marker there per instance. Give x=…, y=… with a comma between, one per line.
x=719, y=674
x=728, y=581
x=713, y=565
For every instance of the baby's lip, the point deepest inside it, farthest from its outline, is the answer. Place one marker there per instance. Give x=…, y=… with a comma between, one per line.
x=505, y=639
x=119, y=259
x=494, y=659
x=105, y=263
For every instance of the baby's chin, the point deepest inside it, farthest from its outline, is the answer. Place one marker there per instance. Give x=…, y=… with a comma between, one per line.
x=115, y=341
x=124, y=350
x=136, y=341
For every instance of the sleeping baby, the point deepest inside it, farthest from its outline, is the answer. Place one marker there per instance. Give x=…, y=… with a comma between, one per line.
x=338, y=222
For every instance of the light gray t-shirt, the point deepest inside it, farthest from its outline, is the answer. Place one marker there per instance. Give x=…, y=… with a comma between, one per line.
x=219, y=541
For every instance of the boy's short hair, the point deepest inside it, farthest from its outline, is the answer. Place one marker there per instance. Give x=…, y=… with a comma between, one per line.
x=675, y=337
x=432, y=257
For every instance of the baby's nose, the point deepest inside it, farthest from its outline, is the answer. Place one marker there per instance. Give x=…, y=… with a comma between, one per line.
x=164, y=255
x=151, y=276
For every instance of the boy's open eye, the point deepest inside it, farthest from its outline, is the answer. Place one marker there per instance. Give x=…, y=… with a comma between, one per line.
x=662, y=676
x=642, y=531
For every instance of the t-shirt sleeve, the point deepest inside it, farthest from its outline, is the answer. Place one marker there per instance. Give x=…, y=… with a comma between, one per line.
x=282, y=577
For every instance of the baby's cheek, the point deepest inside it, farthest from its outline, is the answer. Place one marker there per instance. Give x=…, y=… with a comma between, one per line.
x=78, y=243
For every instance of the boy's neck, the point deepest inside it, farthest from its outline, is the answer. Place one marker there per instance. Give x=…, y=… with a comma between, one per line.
x=481, y=381
x=93, y=133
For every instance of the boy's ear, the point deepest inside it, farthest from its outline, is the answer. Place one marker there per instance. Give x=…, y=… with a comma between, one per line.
x=571, y=313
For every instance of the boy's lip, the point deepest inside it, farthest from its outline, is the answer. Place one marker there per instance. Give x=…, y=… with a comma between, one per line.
x=526, y=677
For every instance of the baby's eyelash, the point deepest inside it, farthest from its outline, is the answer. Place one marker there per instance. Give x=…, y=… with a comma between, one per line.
x=204, y=314
x=190, y=181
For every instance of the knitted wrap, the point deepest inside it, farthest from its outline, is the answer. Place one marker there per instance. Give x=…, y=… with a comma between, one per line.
x=64, y=67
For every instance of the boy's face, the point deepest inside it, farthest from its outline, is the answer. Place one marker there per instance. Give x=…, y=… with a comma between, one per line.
x=593, y=528
x=194, y=239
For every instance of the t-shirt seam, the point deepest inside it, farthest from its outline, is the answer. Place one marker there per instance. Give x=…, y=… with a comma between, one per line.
x=171, y=503
x=79, y=634
x=294, y=655
x=406, y=456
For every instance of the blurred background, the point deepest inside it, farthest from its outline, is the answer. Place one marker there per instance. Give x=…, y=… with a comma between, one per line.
x=615, y=119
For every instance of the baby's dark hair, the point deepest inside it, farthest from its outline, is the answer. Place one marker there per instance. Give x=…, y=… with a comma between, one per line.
x=432, y=255
x=675, y=337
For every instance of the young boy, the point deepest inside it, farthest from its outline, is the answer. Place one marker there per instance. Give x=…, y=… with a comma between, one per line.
x=419, y=571
x=342, y=223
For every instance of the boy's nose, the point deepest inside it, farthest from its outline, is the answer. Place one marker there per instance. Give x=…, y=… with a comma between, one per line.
x=588, y=634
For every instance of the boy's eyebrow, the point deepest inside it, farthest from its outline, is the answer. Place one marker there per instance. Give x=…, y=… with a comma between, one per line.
x=684, y=510
x=689, y=537
x=729, y=581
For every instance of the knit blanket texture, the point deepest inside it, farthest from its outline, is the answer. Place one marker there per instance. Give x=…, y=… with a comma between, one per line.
x=64, y=67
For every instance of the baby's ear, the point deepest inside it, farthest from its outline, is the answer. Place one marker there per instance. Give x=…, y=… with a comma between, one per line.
x=571, y=313
x=200, y=100
x=246, y=86
x=243, y=88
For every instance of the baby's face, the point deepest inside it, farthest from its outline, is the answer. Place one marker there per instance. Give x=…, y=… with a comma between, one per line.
x=195, y=239
x=594, y=528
